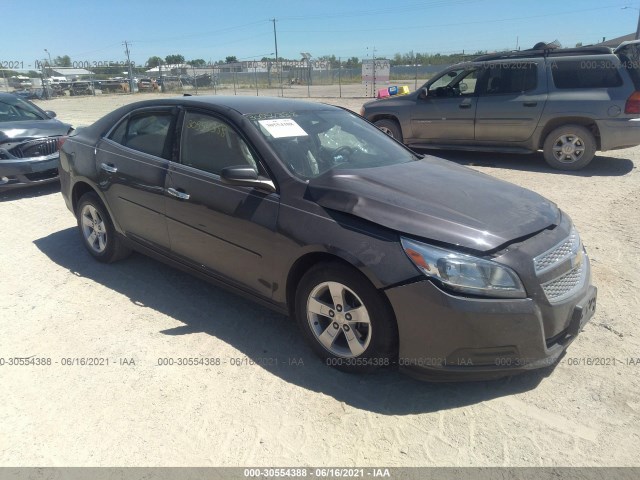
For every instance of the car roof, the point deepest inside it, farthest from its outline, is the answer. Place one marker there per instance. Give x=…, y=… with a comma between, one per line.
x=245, y=104
x=242, y=105
x=538, y=53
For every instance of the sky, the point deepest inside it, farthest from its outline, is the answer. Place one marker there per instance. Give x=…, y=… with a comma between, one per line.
x=213, y=30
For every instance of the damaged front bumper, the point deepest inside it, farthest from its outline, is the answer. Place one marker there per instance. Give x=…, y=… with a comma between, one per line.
x=20, y=172
x=444, y=337
x=28, y=163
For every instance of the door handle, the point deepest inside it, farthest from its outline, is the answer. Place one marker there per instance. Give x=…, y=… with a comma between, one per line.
x=178, y=194
x=109, y=168
x=530, y=104
x=465, y=105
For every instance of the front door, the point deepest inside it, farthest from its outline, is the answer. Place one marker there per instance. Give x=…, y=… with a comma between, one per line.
x=226, y=231
x=448, y=111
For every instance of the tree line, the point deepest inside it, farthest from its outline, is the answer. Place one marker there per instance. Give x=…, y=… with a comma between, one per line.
x=397, y=59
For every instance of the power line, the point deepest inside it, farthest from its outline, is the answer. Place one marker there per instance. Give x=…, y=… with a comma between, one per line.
x=428, y=25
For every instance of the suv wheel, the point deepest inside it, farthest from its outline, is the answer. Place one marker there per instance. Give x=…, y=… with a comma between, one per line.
x=570, y=147
x=390, y=127
x=345, y=319
x=98, y=235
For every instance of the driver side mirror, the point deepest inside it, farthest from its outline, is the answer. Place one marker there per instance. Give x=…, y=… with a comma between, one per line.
x=245, y=176
x=424, y=93
x=50, y=114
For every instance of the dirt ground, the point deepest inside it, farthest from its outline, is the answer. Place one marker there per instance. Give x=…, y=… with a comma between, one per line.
x=270, y=402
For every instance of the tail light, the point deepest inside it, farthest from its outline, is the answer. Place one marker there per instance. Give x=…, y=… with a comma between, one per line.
x=61, y=141
x=633, y=104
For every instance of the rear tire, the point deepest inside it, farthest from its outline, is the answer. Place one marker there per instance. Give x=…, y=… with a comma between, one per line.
x=96, y=228
x=390, y=127
x=345, y=320
x=570, y=147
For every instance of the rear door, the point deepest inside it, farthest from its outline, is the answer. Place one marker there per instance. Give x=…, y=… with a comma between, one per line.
x=448, y=111
x=132, y=163
x=511, y=98
x=226, y=231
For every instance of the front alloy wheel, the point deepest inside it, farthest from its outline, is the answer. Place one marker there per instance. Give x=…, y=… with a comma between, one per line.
x=390, y=127
x=345, y=319
x=338, y=319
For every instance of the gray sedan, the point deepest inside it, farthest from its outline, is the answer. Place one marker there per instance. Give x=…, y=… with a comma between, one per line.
x=384, y=258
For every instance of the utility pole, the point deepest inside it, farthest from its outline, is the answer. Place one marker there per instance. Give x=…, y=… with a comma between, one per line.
x=126, y=46
x=275, y=40
x=340, y=75
x=638, y=27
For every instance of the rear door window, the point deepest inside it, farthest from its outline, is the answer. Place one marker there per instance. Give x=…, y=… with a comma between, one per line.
x=588, y=73
x=509, y=78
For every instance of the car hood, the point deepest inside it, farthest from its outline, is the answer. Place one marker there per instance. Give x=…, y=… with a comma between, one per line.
x=437, y=200
x=392, y=101
x=32, y=128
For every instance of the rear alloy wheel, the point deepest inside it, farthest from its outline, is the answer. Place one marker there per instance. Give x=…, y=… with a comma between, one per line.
x=390, y=127
x=345, y=319
x=99, y=236
x=570, y=147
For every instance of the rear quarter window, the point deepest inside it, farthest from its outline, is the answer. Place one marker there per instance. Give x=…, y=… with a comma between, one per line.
x=573, y=74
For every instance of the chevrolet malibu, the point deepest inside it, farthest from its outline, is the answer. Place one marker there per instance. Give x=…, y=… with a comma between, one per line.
x=383, y=257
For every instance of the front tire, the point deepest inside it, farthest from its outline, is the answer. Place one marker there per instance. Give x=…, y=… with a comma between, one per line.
x=390, y=127
x=98, y=234
x=345, y=320
x=570, y=147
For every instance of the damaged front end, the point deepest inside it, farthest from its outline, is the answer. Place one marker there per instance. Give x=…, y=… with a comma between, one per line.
x=27, y=161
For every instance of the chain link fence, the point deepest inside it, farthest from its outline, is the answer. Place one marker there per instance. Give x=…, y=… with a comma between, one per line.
x=262, y=78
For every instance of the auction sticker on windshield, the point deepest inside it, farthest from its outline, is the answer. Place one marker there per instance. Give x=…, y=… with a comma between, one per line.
x=283, y=127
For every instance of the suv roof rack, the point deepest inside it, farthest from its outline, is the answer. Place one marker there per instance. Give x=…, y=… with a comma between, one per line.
x=556, y=52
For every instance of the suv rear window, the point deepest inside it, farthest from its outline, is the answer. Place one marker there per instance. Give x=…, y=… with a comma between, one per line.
x=585, y=74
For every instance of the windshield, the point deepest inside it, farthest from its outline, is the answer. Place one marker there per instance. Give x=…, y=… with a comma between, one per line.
x=14, y=108
x=311, y=143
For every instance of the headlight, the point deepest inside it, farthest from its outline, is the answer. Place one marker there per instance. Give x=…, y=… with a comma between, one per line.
x=464, y=273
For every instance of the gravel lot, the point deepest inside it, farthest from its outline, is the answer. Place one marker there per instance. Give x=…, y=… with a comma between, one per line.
x=285, y=407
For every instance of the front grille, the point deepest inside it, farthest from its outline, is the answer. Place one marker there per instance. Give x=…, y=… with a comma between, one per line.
x=568, y=247
x=41, y=147
x=563, y=286
x=566, y=254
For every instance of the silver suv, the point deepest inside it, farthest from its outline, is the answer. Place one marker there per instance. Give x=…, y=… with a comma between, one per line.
x=569, y=103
